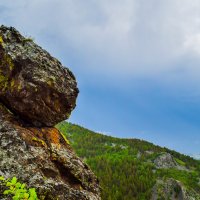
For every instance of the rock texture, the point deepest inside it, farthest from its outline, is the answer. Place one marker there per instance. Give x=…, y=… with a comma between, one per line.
x=173, y=190
x=33, y=84
x=165, y=160
x=42, y=158
x=36, y=92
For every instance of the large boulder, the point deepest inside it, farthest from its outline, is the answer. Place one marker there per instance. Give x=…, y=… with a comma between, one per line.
x=33, y=84
x=165, y=160
x=43, y=159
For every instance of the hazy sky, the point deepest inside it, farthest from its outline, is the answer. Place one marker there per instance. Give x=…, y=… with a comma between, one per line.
x=137, y=62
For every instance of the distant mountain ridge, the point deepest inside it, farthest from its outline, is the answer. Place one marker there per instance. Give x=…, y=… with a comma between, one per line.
x=132, y=169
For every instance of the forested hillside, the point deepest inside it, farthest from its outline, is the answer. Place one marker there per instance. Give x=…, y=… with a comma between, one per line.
x=132, y=169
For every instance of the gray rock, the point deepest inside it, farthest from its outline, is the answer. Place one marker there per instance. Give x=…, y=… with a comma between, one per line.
x=165, y=160
x=173, y=190
x=42, y=158
x=33, y=84
x=37, y=92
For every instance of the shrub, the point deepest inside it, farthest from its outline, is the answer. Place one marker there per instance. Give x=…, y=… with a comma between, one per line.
x=17, y=190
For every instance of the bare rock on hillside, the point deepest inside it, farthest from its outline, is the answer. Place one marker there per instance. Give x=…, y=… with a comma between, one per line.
x=172, y=189
x=165, y=160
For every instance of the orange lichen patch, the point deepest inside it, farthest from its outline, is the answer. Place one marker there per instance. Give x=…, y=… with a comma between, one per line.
x=36, y=132
x=47, y=135
x=52, y=135
x=30, y=137
x=35, y=136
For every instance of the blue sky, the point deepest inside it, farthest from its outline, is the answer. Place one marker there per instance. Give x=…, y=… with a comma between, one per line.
x=137, y=63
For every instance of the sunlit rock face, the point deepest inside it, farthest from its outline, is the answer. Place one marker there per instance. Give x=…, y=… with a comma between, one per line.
x=33, y=84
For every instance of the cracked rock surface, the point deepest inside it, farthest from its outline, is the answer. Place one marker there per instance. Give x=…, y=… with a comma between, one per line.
x=42, y=158
x=34, y=84
x=36, y=93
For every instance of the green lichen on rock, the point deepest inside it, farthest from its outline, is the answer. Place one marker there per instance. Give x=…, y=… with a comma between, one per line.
x=3, y=82
x=1, y=40
x=6, y=61
x=6, y=67
x=64, y=137
x=39, y=141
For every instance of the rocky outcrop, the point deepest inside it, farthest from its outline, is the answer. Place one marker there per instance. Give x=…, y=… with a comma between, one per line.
x=42, y=158
x=172, y=189
x=35, y=93
x=165, y=160
x=33, y=84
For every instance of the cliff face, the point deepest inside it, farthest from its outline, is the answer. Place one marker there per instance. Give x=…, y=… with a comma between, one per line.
x=36, y=92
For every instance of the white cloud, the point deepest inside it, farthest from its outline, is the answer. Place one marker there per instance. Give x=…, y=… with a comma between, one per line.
x=192, y=43
x=196, y=156
x=128, y=37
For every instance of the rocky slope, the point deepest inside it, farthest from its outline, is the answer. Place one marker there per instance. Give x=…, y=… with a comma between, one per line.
x=36, y=92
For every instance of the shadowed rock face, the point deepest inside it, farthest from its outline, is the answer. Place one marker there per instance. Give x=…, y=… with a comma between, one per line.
x=33, y=84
